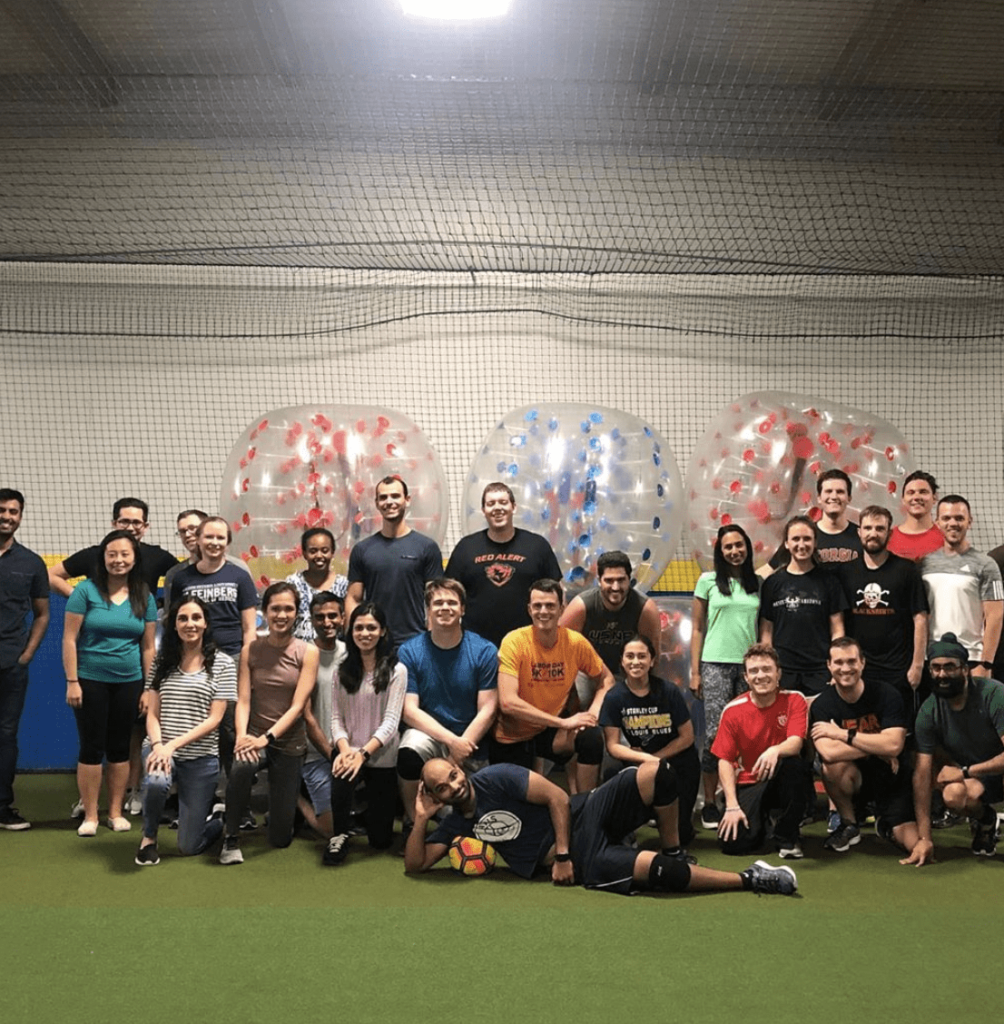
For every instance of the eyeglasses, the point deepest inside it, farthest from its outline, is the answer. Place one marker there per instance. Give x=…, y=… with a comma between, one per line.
x=182, y=530
x=125, y=523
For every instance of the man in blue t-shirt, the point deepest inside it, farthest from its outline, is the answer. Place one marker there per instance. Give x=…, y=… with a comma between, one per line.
x=580, y=840
x=452, y=689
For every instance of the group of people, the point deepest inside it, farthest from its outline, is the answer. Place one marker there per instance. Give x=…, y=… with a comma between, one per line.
x=446, y=693
x=860, y=624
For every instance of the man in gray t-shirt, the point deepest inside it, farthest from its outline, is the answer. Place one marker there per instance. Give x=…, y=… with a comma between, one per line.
x=964, y=588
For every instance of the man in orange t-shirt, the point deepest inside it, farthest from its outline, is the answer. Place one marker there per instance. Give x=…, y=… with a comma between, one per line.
x=537, y=669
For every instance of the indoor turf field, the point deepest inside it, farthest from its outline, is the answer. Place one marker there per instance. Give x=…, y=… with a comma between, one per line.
x=92, y=937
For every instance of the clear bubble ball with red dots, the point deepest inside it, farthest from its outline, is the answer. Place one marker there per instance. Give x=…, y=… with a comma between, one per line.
x=589, y=479
x=318, y=465
x=758, y=461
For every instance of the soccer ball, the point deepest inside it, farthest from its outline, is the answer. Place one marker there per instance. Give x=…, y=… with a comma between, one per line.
x=471, y=856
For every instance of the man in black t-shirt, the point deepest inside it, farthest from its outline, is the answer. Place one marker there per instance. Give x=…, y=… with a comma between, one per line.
x=131, y=515
x=837, y=540
x=497, y=566
x=859, y=730
x=887, y=611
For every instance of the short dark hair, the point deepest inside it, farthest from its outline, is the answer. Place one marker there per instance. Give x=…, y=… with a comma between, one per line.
x=546, y=586
x=640, y=638
x=841, y=643
x=761, y=651
x=392, y=478
x=279, y=587
x=919, y=474
x=191, y=512
x=954, y=499
x=9, y=494
x=315, y=531
x=130, y=503
x=875, y=512
x=326, y=597
x=613, y=560
x=497, y=485
x=445, y=583
x=834, y=474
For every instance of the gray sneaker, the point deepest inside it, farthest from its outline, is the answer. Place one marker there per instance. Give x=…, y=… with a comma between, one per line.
x=231, y=852
x=763, y=878
x=846, y=836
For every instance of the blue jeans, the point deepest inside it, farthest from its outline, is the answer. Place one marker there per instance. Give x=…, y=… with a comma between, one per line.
x=196, y=781
x=13, y=687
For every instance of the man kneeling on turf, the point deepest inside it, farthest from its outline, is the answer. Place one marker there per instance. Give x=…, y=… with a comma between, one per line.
x=758, y=746
x=859, y=729
x=534, y=824
x=960, y=749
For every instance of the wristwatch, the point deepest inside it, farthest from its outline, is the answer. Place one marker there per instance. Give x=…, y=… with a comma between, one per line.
x=851, y=733
x=269, y=738
x=965, y=772
x=987, y=664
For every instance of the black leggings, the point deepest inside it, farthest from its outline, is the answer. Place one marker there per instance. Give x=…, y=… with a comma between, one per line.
x=105, y=719
x=381, y=804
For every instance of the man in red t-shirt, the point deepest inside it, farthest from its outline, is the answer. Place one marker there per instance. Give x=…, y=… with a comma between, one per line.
x=758, y=746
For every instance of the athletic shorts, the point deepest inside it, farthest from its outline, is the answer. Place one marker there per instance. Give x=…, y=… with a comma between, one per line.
x=891, y=792
x=600, y=822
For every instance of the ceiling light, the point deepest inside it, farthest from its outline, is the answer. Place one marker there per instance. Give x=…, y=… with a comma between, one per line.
x=456, y=9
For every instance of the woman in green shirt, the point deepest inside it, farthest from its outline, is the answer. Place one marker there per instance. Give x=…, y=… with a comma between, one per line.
x=725, y=608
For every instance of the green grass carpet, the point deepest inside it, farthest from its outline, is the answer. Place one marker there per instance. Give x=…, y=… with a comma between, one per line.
x=89, y=936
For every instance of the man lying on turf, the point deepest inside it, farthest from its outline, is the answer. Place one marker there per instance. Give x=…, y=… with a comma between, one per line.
x=534, y=824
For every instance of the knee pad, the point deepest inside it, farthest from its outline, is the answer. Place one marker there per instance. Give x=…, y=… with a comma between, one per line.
x=409, y=764
x=666, y=789
x=589, y=745
x=667, y=874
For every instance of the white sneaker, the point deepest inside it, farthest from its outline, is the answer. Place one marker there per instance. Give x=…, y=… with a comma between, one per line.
x=77, y=810
x=133, y=804
x=231, y=851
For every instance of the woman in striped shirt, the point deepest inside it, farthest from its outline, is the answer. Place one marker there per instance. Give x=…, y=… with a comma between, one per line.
x=189, y=686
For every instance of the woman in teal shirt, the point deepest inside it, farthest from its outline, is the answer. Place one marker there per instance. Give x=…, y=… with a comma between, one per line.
x=725, y=609
x=108, y=647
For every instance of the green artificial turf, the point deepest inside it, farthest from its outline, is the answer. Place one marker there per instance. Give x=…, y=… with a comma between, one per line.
x=89, y=936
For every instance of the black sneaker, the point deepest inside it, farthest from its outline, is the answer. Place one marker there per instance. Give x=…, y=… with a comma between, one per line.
x=763, y=878
x=12, y=821
x=846, y=836
x=231, y=851
x=984, y=837
x=711, y=817
x=147, y=856
x=337, y=851
x=248, y=823
x=945, y=820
